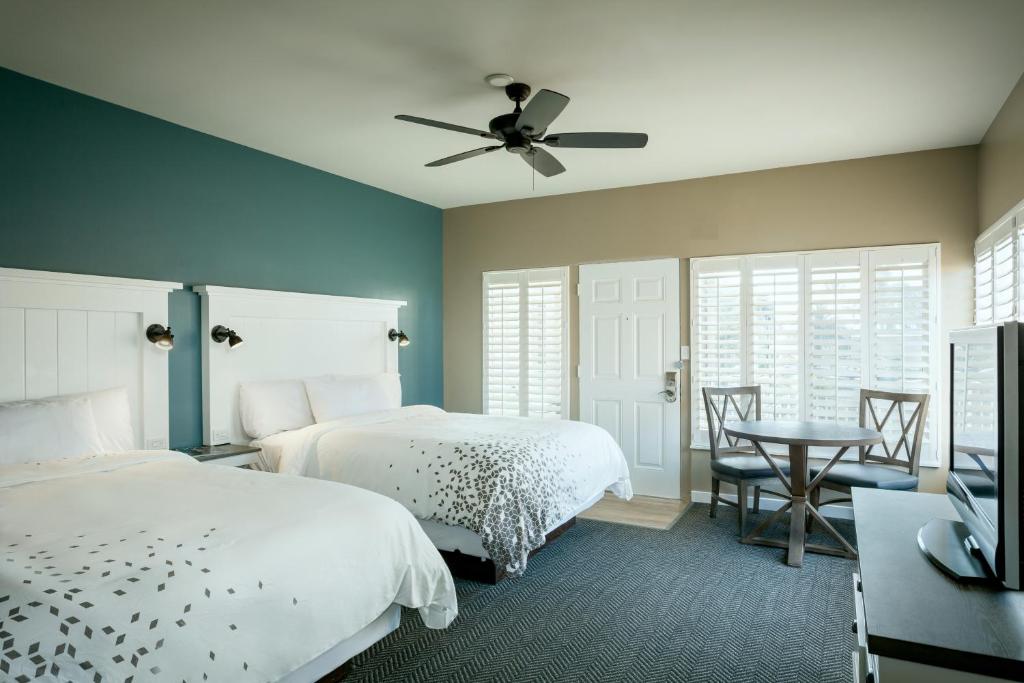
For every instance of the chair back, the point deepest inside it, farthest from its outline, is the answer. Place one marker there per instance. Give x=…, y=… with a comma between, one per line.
x=722, y=404
x=900, y=418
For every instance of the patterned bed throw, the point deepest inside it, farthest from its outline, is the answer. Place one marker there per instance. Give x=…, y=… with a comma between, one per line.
x=510, y=480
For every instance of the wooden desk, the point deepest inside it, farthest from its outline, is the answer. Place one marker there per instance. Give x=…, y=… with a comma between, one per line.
x=920, y=624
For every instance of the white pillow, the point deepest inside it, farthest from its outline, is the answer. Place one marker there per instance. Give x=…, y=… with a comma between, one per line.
x=113, y=418
x=47, y=429
x=270, y=407
x=335, y=396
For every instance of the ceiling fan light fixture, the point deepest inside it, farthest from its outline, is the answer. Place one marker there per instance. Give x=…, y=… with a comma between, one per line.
x=498, y=80
x=526, y=126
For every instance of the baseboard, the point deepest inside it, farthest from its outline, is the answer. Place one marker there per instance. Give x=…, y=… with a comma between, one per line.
x=769, y=502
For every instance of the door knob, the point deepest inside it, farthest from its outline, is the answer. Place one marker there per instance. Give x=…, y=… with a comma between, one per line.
x=669, y=392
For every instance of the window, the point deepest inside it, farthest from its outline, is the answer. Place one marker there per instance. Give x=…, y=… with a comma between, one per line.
x=999, y=270
x=812, y=328
x=526, y=343
x=774, y=335
x=717, y=346
x=835, y=350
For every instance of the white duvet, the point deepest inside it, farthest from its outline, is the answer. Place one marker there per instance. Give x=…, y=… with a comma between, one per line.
x=148, y=564
x=508, y=479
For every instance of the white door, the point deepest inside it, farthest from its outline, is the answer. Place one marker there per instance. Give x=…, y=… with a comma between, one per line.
x=629, y=356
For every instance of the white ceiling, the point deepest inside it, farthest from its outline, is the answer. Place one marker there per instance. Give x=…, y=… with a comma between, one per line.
x=720, y=86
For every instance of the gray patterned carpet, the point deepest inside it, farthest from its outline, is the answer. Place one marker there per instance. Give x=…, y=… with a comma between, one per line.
x=609, y=602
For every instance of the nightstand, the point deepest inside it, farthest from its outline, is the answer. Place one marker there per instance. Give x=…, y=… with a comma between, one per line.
x=229, y=454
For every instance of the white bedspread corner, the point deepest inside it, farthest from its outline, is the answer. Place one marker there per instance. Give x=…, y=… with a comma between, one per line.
x=149, y=564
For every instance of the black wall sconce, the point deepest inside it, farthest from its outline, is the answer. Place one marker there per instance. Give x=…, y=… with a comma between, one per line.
x=160, y=336
x=399, y=336
x=220, y=334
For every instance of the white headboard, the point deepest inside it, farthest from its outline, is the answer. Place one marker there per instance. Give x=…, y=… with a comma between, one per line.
x=287, y=335
x=62, y=333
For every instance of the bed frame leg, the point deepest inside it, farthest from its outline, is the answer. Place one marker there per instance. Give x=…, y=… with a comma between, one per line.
x=471, y=567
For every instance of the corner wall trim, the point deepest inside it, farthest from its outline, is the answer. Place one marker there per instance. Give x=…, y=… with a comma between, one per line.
x=769, y=502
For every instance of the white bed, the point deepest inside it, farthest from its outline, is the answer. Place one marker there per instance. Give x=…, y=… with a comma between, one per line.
x=489, y=487
x=195, y=536
x=149, y=563
x=302, y=347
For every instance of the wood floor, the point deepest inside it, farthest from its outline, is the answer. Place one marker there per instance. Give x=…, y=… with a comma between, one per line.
x=647, y=511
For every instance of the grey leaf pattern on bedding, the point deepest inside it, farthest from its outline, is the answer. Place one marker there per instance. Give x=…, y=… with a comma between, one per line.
x=116, y=609
x=509, y=490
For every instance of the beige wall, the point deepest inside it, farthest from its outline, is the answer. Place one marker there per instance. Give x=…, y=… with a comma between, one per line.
x=900, y=199
x=1001, y=161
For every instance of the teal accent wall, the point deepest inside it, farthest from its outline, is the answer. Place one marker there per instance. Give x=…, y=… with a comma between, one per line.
x=90, y=187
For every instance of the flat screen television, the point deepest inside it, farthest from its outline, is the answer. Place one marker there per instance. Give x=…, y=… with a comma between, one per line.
x=984, y=482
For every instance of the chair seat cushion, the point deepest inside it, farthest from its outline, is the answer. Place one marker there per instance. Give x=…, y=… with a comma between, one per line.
x=856, y=475
x=745, y=466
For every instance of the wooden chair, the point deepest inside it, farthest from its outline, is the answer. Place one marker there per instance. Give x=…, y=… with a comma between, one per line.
x=731, y=461
x=895, y=470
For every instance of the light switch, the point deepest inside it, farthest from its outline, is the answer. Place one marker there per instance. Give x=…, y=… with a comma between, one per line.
x=684, y=353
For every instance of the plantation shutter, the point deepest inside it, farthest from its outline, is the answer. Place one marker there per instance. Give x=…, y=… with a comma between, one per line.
x=835, y=348
x=774, y=332
x=502, y=355
x=997, y=264
x=983, y=285
x=904, y=338
x=1019, y=234
x=716, y=331
x=526, y=343
x=1004, y=273
x=546, y=325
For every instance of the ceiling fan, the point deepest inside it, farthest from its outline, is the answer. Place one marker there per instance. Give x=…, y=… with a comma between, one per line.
x=520, y=131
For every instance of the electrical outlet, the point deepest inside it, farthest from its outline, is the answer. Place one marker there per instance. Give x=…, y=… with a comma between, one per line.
x=156, y=444
x=220, y=436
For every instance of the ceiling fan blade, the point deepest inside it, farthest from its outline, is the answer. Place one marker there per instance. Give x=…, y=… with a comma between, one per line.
x=464, y=155
x=540, y=111
x=597, y=140
x=446, y=126
x=543, y=162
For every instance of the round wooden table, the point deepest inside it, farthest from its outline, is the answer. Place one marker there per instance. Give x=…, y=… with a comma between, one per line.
x=799, y=436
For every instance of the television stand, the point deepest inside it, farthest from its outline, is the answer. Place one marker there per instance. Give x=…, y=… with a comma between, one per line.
x=951, y=548
x=914, y=622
